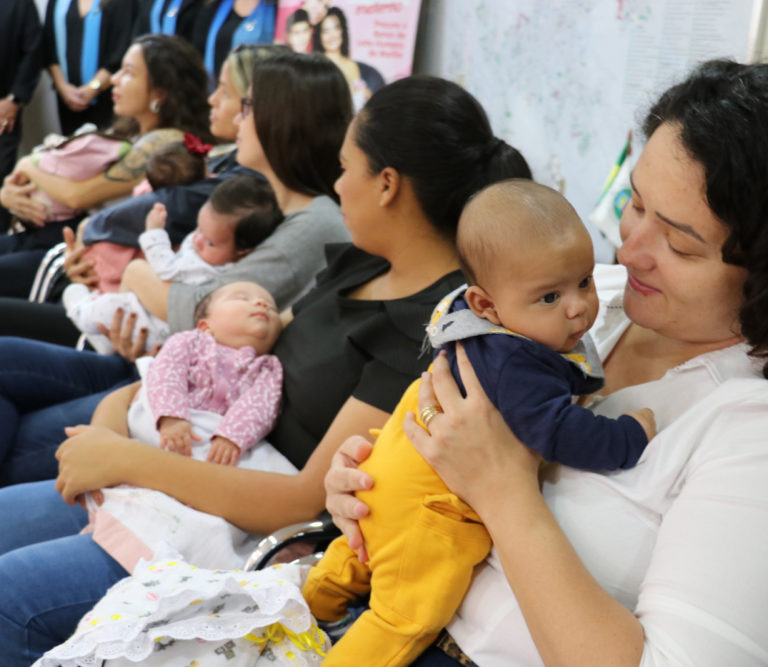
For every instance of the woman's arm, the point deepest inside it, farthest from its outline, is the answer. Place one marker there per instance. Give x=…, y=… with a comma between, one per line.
x=118, y=180
x=234, y=494
x=572, y=620
x=87, y=93
x=15, y=196
x=112, y=411
x=69, y=93
x=151, y=290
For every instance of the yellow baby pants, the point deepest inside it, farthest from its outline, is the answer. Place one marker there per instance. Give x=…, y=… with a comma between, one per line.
x=423, y=543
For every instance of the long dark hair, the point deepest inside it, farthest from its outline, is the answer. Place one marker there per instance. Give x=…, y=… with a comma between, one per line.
x=176, y=68
x=436, y=134
x=317, y=44
x=721, y=110
x=301, y=110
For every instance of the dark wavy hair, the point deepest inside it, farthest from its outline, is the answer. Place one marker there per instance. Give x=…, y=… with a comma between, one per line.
x=317, y=44
x=301, y=109
x=721, y=110
x=437, y=135
x=176, y=68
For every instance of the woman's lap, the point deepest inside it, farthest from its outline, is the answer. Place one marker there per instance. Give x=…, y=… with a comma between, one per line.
x=18, y=270
x=50, y=576
x=37, y=321
x=35, y=512
x=21, y=254
x=434, y=657
x=44, y=388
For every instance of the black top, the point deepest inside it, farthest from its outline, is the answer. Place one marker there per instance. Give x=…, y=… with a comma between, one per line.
x=185, y=22
x=223, y=38
x=20, y=37
x=338, y=347
x=113, y=43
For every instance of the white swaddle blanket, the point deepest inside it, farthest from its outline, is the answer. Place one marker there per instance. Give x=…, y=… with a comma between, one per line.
x=135, y=523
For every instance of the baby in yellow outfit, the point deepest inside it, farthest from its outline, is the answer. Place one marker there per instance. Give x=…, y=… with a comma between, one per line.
x=531, y=301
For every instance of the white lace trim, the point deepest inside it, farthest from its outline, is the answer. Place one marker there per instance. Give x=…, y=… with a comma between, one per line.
x=172, y=600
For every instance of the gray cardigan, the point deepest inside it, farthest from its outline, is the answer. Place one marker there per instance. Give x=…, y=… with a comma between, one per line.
x=285, y=264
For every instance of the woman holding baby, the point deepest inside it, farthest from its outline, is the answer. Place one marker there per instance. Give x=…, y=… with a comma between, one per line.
x=351, y=347
x=160, y=87
x=662, y=563
x=301, y=174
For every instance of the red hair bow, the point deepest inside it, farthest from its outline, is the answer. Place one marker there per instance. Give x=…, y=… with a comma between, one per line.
x=195, y=145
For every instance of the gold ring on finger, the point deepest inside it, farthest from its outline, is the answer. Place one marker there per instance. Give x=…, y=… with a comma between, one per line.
x=428, y=413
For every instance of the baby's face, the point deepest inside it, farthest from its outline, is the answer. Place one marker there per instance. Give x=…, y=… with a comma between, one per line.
x=214, y=238
x=243, y=314
x=547, y=293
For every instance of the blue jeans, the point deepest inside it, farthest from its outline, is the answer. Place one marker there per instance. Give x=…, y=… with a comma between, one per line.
x=43, y=388
x=49, y=575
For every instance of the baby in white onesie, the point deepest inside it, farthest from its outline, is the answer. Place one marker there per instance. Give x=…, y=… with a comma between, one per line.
x=240, y=213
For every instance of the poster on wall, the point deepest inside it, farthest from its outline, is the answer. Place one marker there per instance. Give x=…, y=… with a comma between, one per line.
x=371, y=41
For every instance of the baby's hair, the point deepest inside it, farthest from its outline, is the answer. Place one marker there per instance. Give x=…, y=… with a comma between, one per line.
x=174, y=164
x=510, y=213
x=252, y=202
x=201, y=309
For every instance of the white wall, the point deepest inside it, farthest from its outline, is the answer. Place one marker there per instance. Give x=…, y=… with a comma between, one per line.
x=565, y=80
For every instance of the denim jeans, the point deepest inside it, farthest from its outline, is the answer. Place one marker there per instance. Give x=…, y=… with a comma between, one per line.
x=43, y=388
x=49, y=575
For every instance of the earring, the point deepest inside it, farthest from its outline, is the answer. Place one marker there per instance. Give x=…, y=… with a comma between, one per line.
x=154, y=106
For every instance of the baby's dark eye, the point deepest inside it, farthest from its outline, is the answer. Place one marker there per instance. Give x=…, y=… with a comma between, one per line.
x=585, y=283
x=550, y=298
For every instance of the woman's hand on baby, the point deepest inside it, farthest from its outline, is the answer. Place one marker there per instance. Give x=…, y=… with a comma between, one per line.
x=78, y=269
x=156, y=217
x=468, y=443
x=176, y=435
x=341, y=481
x=121, y=335
x=15, y=195
x=85, y=464
x=647, y=420
x=223, y=451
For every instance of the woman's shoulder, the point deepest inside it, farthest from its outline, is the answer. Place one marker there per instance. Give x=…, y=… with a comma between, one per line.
x=410, y=315
x=310, y=229
x=347, y=264
x=321, y=207
x=158, y=138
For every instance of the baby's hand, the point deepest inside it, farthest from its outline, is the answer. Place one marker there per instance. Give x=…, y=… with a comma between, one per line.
x=156, y=217
x=223, y=451
x=646, y=419
x=176, y=435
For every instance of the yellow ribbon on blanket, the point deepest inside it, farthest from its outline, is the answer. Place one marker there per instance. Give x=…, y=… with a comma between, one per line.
x=309, y=640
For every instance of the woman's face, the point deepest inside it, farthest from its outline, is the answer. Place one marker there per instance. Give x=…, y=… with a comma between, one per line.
x=130, y=85
x=249, y=151
x=225, y=105
x=358, y=191
x=330, y=34
x=678, y=284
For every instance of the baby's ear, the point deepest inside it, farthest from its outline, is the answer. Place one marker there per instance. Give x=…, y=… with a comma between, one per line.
x=481, y=304
x=202, y=324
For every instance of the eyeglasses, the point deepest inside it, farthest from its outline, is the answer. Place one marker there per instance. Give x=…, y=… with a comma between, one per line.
x=246, y=106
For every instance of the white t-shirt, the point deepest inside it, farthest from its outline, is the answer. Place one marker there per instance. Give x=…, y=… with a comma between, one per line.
x=681, y=538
